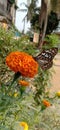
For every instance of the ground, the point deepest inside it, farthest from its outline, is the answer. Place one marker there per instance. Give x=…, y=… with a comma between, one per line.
x=56, y=75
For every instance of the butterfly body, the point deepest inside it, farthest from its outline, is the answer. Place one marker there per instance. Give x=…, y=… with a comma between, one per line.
x=45, y=58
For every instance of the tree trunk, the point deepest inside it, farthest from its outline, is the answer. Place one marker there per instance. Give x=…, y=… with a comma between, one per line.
x=43, y=17
x=43, y=33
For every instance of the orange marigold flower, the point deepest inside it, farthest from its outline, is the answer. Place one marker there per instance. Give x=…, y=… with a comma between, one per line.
x=46, y=103
x=23, y=83
x=23, y=63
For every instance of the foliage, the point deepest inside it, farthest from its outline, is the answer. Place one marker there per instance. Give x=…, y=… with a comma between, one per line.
x=50, y=115
x=50, y=118
x=51, y=40
x=19, y=103
x=51, y=25
x=12, y=1
x=41, y=82
x=35, y=20
x=31, y=9
x=52, y=22
x=14, y=110
x=9, y=44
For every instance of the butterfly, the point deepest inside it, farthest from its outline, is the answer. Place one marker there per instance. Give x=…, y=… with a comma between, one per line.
x=45, y=58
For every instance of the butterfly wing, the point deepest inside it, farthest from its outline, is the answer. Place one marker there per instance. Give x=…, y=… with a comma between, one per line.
x=53, y=51
x=47, y=54
x=46, y=65
x=45, y=58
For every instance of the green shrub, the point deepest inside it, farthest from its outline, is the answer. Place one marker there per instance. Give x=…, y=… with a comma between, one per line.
x=10, y=44
x=51, y=40
x=27, y=106
x=14, y=110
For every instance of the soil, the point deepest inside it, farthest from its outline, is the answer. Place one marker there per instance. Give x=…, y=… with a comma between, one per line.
x=56, y=74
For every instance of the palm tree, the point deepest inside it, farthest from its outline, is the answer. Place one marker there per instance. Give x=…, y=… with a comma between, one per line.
x=30, y=8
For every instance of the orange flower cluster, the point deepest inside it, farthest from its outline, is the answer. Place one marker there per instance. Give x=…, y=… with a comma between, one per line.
x=23, y=63
x=23, y=83
x=46, y=103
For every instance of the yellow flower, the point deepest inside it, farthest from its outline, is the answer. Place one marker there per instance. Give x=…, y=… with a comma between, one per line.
x=24, y=124
x=15, y=94
x=58, y=94
x=24, y=83
x=46, y=103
